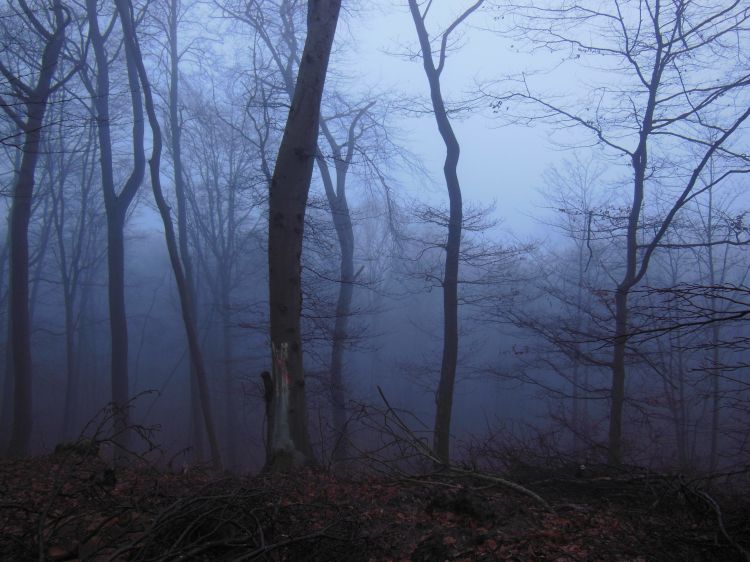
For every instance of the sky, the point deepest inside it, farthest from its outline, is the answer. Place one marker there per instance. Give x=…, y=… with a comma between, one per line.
x=498, y=163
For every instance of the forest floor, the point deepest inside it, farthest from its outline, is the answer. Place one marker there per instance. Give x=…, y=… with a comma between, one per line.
x=73, y=507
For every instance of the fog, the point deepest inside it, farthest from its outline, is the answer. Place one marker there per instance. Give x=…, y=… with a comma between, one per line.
x=602, y=286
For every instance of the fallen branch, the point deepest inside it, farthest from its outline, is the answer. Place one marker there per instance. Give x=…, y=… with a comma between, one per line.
x=424, y=450
x=720, y=520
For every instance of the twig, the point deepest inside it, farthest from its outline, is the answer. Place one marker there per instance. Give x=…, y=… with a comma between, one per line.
x=720, y=519
x=426, y=452
x=281, y=544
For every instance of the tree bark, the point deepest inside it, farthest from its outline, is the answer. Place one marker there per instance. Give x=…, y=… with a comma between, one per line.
x=444, y=397
x=116, y=206
x=175, y=127
x=230, y=416
x=345, y=233
x=118, y=325
x=289, y=444
x=635, y=269
x=136, y=65
x=342, y=222
x=20, y=216
x=69, y=256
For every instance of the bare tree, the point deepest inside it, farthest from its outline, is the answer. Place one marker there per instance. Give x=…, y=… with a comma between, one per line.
x=116, y=204
x=433, y=70
x=664, y=105
x=77, y=219
x=289, y=439
x=171, y=20
x=349, y=130
x=342, y=154
x=137, y=69
x=30, y=83
x=224, y=197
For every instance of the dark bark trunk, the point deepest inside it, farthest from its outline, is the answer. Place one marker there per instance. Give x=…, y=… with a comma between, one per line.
x=621, y=317
x=38, y=258
x=20, y=216
x=230, y=417
x=116, y=207
x=345, y=235
x=635, y=269
x=342, y=222
x=713, y=455
x=445, y=391
x=6, y=402
x=137, y=68
x=289, y=438
x=118, y=325
x=195, y=420
x=18, y=296
x=617, y=393
x=72, y=379
x=715, y=372
x=6, y=416
x=182, y=223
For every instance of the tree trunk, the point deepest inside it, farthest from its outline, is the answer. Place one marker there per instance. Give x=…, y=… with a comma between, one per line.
x=70, y=423
x=342, y=222
x=345, y=234
x=230, y=416
x=20, y=216
x=137, y=67
x=289, y=438
x=182, y=223
x=118, y=325
x=18, y=295
x=116, y=207
x=6, y=399
x=444, y=397
x=340, y=334
x=6, y=415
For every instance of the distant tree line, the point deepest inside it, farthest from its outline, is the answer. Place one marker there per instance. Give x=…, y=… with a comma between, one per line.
x=292, y=248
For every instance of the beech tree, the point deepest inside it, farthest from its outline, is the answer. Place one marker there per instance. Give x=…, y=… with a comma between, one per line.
x=29, y=83
x=77, y=219
x=699, y=312
x=139, y=83
x=342, y=154
x=289, y=441
x=116, y=203
x=433, y=71
x=667, y=98
x=349, y=129
x=224, y=195
x=174, y=13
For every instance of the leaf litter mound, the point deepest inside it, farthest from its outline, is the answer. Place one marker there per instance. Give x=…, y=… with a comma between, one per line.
x=75, y=507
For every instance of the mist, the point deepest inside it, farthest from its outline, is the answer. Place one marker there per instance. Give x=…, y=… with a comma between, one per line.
x=570, y=279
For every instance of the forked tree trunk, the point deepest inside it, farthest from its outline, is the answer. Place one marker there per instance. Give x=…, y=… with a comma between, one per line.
x=20, y=216
x=444, y=397
x=136, y=65
x=116, y=207
x=289, y=440
x=342, y=222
